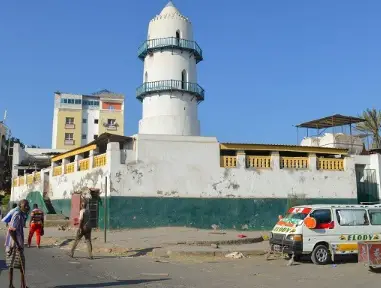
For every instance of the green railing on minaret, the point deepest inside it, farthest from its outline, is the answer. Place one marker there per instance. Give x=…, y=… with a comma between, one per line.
x=169, y=43
x=170, y=85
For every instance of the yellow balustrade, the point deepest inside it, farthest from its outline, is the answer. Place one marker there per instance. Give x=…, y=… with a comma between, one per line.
x=29, y=179
x=57, y=171
x=37, y=177
x=69, y=168
x=228, y=161
x=21, y=181
x=15, y=182
x=331, y=164
x=294, y=162
x=100, y=160
x=258, y=161
x=84, y=164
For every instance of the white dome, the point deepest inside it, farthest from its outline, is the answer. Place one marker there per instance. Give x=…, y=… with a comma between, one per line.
x=170, y=9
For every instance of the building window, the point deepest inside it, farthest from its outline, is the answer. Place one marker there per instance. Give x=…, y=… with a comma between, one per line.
x=90, y=103
x=69, y=136
x=184, y=79
x=69, y=139
x=111, y=107
x=70, y=101
x=111, y=121
x=146, y=77
x=84, y=121
x=178, y=36
x=69, y=123
x=83, y=136
x=69, y=120
x=95, y=137
x=78, y=101
x=95, y=121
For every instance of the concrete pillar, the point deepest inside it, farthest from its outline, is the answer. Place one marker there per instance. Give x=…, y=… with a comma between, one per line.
x=312, y=162
x=113, y=154
x=113, y=163
x=241, y=159
x=91, y=159
x=275, y=160
x=77, y=158
x=64, y=162
x=24, y=176
x=349, y=164
x=375, y=163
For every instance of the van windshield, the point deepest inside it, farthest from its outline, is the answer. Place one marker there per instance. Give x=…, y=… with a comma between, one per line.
x=294, y=217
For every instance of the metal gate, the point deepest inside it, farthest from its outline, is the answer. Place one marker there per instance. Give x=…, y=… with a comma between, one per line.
x=367, y=187
x=93, y=207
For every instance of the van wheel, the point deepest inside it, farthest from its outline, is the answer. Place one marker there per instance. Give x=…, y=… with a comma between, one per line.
x=321, y=255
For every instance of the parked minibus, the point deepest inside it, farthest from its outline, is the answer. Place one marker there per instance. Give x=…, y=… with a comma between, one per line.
x=323, y=231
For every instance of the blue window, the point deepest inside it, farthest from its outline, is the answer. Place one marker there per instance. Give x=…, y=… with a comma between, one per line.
x=70, y=101
x=78, y=101
x=64, y=100
x=90, y=103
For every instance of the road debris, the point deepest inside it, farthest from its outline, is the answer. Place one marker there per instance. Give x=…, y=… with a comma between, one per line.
x=235, y=255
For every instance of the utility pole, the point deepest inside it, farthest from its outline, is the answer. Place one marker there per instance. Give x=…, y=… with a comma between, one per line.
x=105, y=213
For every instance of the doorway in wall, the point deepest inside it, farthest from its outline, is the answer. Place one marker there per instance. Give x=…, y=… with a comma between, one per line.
x=367, y=187
x=178, y=38
x=94, y=207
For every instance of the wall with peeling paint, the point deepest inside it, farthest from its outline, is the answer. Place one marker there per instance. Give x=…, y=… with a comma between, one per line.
x=177, y=180
x=176, y=166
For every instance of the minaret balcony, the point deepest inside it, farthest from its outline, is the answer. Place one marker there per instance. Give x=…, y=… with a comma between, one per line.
x=170, y=85
x=161, y=44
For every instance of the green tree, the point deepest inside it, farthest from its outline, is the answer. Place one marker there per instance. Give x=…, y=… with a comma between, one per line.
x=7, y=179
x=372, y=125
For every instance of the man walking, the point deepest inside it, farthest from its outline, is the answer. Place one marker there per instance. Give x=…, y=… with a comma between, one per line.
x=7, y=218
x=14, y=243
x=84, y=230
x=36, y=225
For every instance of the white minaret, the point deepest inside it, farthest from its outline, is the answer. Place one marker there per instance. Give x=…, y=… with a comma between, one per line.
x=170, y=93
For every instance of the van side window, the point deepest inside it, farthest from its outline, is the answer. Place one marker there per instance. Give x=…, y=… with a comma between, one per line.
x=375, y=217
x=352, y=217
x=323, y=218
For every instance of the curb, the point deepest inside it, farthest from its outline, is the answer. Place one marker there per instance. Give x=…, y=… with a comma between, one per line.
x=223, y=242
x=169, y=253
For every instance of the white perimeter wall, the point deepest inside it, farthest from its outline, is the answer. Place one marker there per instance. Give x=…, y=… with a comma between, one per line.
x=176, y=166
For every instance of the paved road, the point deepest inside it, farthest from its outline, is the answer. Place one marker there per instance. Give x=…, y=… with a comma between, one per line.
x=52, y=268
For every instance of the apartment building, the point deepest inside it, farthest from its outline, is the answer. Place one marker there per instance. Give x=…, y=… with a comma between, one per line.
x=79, y=119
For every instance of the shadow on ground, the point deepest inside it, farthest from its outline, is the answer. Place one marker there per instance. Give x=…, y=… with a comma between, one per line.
x=141, y=252
x=111, y=284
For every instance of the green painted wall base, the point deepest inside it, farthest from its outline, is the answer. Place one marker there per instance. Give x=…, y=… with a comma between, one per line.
x=62, y=206
x=148, y=212
x=257, y=214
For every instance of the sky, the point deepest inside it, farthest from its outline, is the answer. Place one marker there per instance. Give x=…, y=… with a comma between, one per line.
x=268, y=65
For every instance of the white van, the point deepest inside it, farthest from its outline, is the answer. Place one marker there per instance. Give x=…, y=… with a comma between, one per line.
x=324, y=231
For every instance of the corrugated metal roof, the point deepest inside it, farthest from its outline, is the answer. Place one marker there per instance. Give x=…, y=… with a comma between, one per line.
x=331, y=121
